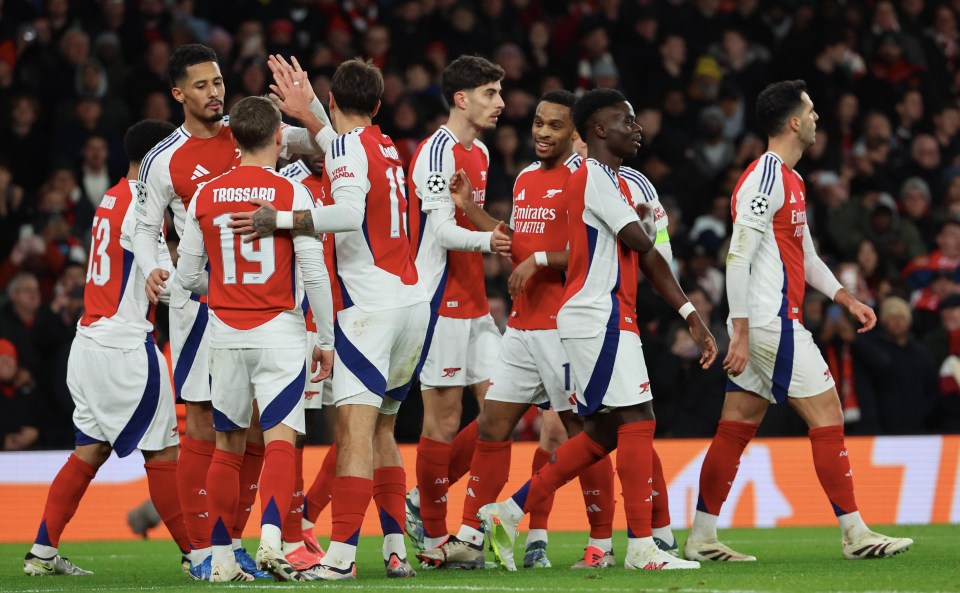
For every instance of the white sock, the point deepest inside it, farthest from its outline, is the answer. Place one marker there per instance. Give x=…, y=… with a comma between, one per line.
x=665, y=534
x=704, y=528
x=291, y=546
x=305, y=524
x=852, y=526
x=340, y=555
x=605, y=544
x=536, y=535
x=45, y=552
x=414, y=496
x=198, y=556
x=223, y=555
x=393, y=544
x=270, y=537
x=635, y=543
x=470, y=535
x=430, y=543
x=237, y=543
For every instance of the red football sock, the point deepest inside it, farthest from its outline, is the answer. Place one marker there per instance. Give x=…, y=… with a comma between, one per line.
x=489, y=471
x=351, y=497
x=540, y=512
x=567, y=462
x=596, y=483
x=389, y=494
x=661, y=501
x=249, y=483
x=433, y=464
x=63, y=498
x=721, y=463
x=833, y=467
x=635, y=469
x=223, y=492
x=162, y=483
x=192, y=468
x=321, y=491
x=292, y=527
x=279, y=462
x=461, y=451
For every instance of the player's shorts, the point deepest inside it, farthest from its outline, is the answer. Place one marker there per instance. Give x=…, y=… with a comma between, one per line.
x=532, y=369
x=462, y=352
x=315, y=395
x=608, y=371
x=189, y=343
x=784, y=362
x=275, y=376
x=376, y=354
x=122, y=397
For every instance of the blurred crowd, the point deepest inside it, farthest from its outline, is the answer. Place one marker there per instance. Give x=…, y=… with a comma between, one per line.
x=883, y=177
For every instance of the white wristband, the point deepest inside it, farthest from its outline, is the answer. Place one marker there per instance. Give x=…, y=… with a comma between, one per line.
x=541, y=258
x=285, y=220
x=686, y=309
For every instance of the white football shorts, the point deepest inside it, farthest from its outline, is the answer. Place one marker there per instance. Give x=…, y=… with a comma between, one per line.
x=189, y=345
x=376, y=354
x=275, y=376
x=122, y=397
x=784, y=362
x=609, y=371
x=532, y=369
x=461, y=352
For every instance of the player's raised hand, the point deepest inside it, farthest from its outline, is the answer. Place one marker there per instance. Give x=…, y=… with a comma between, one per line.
x=500, y=241
x=322, y=365
x=291, y=89
x=739, y=352
x=461, y=190
x=704, y=339
x=253, y=225
x=864, y=314
x=156, y=283
x=521, y=274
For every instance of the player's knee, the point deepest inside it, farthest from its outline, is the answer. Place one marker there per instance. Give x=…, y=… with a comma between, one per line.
x=552, y=436
x=95, y=454
x=168, y=454
x=492, y=429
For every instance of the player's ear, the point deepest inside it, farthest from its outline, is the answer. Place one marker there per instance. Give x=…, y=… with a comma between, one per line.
x=177, y=94
x=332, y=101
x=460, y=100
x=376, y=109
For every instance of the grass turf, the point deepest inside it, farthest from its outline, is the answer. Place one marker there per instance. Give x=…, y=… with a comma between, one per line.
x=804, y=560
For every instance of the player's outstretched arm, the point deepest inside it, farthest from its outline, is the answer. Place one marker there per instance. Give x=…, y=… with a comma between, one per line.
x=659, y=274
x=525, y=270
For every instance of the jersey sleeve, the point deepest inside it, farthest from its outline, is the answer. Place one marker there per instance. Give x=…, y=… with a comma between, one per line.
x=759, y=197
x=193, y=256
x=153, y=196
x=347, y=165
x=431, y=176
x=603, y=199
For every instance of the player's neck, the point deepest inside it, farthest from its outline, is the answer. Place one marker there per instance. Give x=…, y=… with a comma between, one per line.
x=785, y=148
x=461, y=127
x=260, y=158
x=202, y=129
x=346, y=123
x=133, y=173
x=602, y=155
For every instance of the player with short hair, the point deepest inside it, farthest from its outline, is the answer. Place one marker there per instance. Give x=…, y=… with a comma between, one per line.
x=463, y=342
x=598, y=329
x=257, y=332
x=772, y=357
x=199, y=150
x=116, y=374
x=380, y=331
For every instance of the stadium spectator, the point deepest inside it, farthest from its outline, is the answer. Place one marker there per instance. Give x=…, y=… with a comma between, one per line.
x=19, y=412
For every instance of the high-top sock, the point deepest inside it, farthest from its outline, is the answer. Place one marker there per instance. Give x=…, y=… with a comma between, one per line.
x=162, y=484
x=661, y=501
x=635, y=469
x=321, y=491
x=279, y=464
x=192, y=468
x=63, y=498
x=489, y=471
x=721, y=463
x=223, y=492
x=293, y=520
x=567, y=462
x=461, y=452
x=249, y=483
x=351, y=497
x=389, y=495
x=540, y=512
x=433, y=464
x=833, y=468
x=596, y=483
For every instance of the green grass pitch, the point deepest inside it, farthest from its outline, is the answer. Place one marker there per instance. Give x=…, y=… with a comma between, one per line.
x=803, y=560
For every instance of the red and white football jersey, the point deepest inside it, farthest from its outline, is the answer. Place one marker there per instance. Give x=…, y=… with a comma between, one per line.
x=771, y=198
x=117, y=313
x=458, y=274
x=539, y=223
x=174, y=168
x=375, y=264
x=253, y=295
x=601, y=290
x=319, y=186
